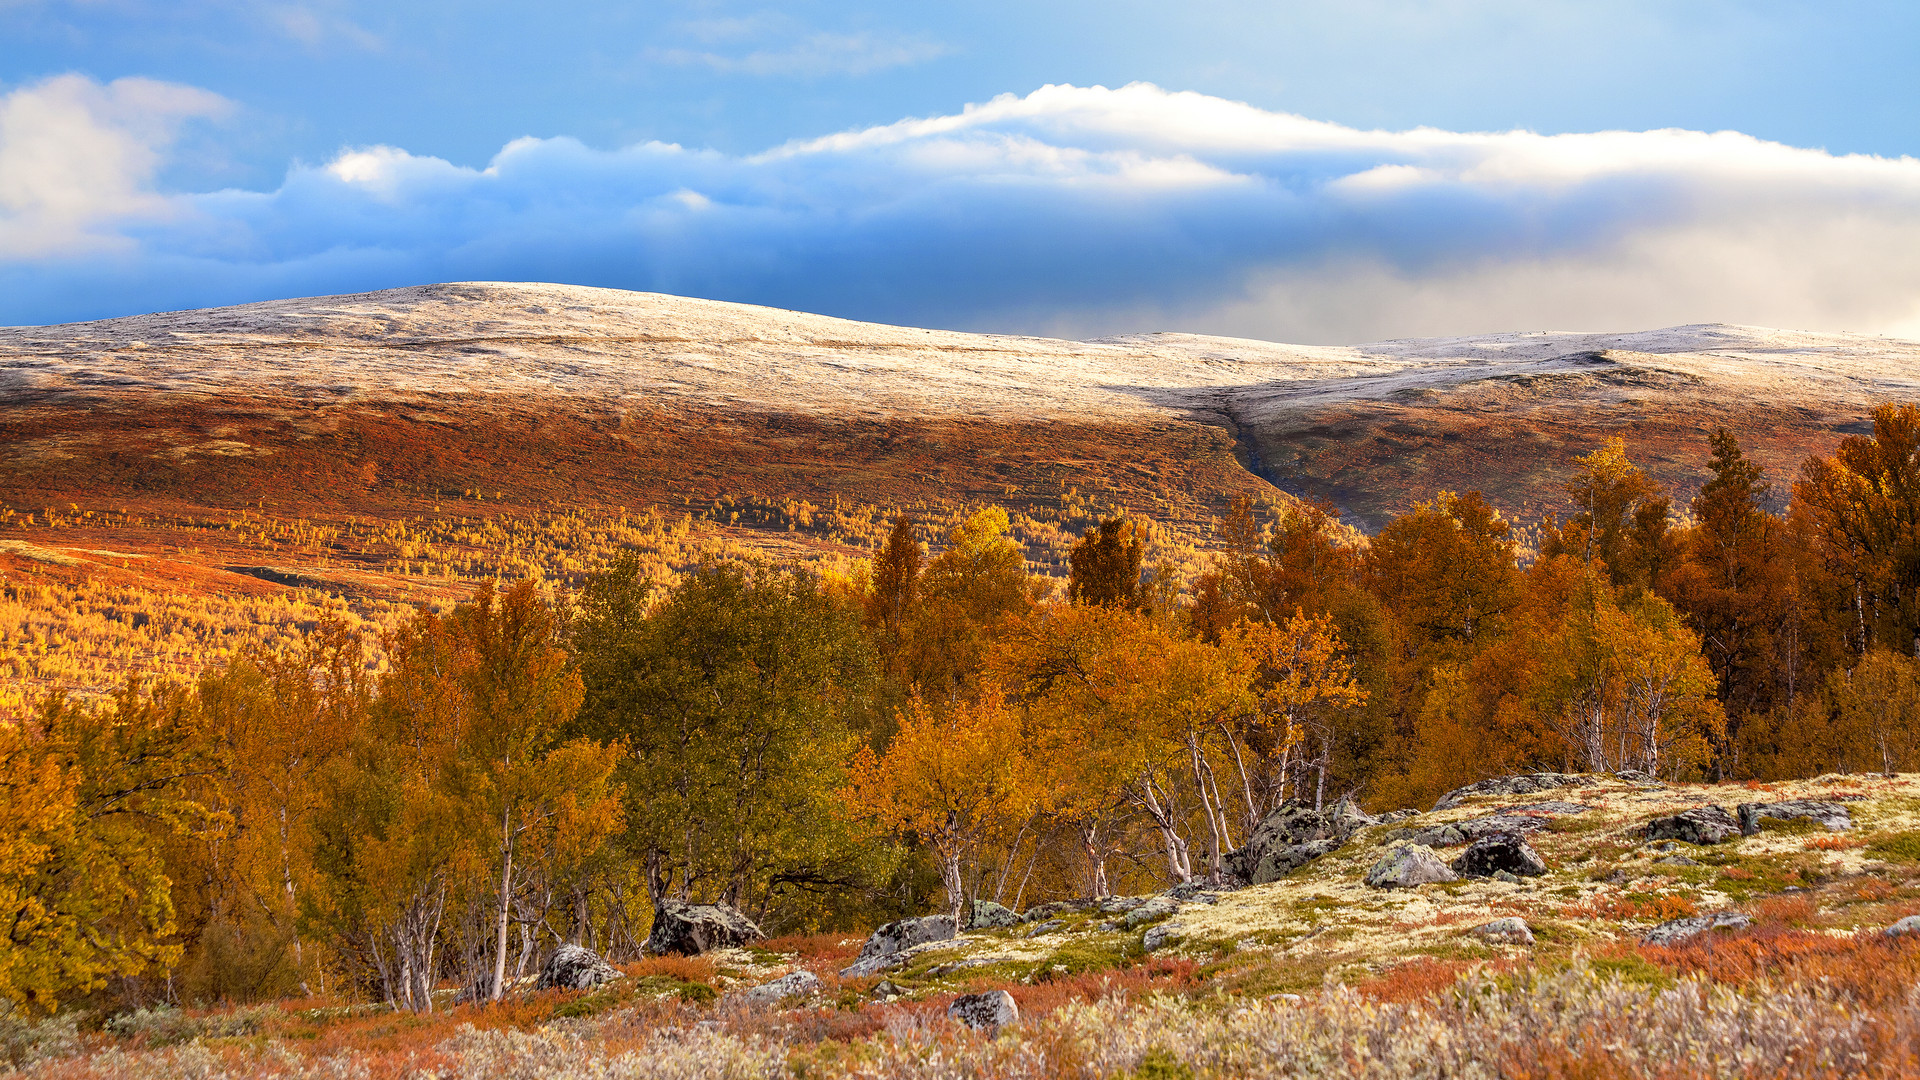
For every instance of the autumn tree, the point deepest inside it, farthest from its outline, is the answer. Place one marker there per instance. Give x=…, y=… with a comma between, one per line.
x=1862, y=513
x=967, y=593
x=1621, y=519
x=956, y=778
x=1734, y=585
x=895, y=586
x=1105, y=565
x=740, y=695
x=1622, y=681
x=1446, y=571
x=92, y=798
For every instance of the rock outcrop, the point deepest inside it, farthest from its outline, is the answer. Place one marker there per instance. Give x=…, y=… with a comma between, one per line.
x=1520, y=784
x=1453, y=834
x=1678, y=930
x=1511, y=930
x=1408, y=866
x=1490, y=855
x=572, y=967
x=883, y=949
x=1291, y=837
x=691, y=929
x=984, y=1012
x=1834, y=816
x=798, y=984
x=987, y=915
x=1700, y=825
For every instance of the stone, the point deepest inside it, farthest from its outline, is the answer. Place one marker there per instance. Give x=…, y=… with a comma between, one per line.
x=1511, y=930
x=1835, y=817
x=889, y=941
x=1678, y=930
x=1700, y=825
x=1409, y=866
x=691, y=929
x=990, y=1011
x=1521, y=784
x=1903, y=928
x=1163, y=935
x=1043, y=912
x=1466, y=832
x=1507, y=852
x=987, y=915
x=1280, y=862
x=1152, y=911
x=571, y=967
x=1292, y=836
x=797, y=984
x=1507, y=876
x=887, y=989
x=1549, y=807
x=1393, y=817
x=1047, y=927
x=1117, y=905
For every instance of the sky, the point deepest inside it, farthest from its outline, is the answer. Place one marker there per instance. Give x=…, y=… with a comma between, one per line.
x=1309, y=172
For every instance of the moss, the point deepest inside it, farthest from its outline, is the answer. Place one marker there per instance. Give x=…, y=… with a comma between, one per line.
x=1902, y=847
x=1631, y=969
x=1080, y=957
x=1584, y=823
x=1159, y=1063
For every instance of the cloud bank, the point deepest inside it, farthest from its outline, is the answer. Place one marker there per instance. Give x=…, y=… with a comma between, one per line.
x=1070, y=210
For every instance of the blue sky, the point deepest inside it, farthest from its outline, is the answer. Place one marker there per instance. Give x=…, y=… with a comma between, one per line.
x=1304, y=171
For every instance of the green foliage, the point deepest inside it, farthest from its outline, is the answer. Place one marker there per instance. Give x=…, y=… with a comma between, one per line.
x=1900, y=847
x=740, y=696
x=1158, y=1063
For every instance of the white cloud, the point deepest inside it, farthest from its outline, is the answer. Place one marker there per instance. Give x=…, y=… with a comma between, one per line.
x=1080, y=210
x=77, y=159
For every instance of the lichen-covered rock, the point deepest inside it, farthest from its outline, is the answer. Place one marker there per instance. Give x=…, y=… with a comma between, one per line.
x=1835, y=817
x=1547, y=808
x=691, y=929
x=984, y=1012
x=1904, y=928
x=1466, y=832
x=1521, y=784
x=1490, y=855
x=797, y=984
x=1700, y=825
x=896, y=937
x=1407, y=867
x=987, y=915
x=1511, y=930
x=1163, y=935
x=1047, y=927
x=1292, y=836
x=1152, y=911
x=572, y=967
x=1046, y=911
x=1678, y=930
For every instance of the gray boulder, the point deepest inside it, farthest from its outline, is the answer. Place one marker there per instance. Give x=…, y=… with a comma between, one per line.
x=1835, y=817
x=1511, y=930
x=1700, y=825
x=1161, y=936
x=984, y=1012
x=1292, y=836
x=1904, y=928
x=797, y=984
x=987, y=915
x=1152, y=911
x=691, y=929
x=1407, y=867
x=572, y=967
x=1466, y=832
x=890, y=940
x=1490, y=855
x=1052, y=909
x=1678, y=930
x=1120, y=905
x=1521, y=784
x=1547, y=807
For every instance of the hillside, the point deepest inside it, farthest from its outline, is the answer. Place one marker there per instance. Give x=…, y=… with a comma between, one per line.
x=259, y=466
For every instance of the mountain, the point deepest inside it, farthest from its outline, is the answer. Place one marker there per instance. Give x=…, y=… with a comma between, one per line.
x=546, y=394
